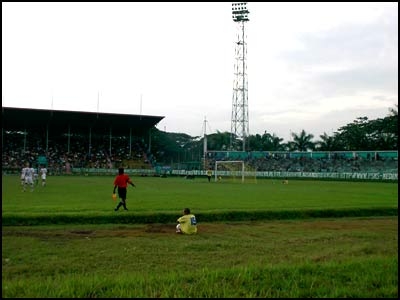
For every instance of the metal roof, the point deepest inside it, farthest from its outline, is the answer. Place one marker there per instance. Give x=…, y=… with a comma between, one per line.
x=30, y=119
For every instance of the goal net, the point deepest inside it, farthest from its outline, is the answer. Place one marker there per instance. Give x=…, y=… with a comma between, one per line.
x=234, y=170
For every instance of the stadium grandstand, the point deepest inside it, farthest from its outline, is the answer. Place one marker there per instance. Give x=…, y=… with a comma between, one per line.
x=312, y=161
x=73, y=142
x=63, y=140
x=331, y=164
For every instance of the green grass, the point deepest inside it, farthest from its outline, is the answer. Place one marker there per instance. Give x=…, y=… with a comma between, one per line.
x=321, y=239
x=315, y=258
x=92, y=195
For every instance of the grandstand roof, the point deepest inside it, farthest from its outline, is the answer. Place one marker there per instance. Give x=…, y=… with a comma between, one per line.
x=20, y=119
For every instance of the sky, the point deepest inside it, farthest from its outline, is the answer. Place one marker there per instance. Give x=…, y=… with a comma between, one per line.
x=311, y=66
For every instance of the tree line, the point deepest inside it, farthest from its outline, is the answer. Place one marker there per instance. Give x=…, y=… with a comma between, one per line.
x=360, y=135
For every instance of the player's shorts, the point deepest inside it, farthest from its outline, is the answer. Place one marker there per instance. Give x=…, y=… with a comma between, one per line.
x=28, y=180
x=122, y=193
x=43, y=177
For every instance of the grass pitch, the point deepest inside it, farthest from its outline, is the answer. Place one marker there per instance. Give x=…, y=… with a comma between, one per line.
x=315, y=257
x=92, y=195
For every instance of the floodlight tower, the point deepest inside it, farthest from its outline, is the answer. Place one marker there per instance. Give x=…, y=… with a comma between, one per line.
x=240, y=114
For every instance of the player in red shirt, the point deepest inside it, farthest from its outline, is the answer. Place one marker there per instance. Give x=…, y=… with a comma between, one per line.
x=121, y=181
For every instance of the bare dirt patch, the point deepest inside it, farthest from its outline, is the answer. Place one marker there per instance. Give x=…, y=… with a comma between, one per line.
x=207, y=228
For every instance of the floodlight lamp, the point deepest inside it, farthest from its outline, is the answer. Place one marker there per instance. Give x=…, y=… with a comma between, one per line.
x=240, y=12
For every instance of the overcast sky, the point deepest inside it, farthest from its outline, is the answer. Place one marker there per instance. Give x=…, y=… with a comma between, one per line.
x=311, y=66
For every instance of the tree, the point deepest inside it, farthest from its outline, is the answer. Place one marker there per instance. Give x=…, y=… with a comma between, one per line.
x=329, y=143
x=302, y=141
x=356, y=136
x=255, y=142
x=218, y=141
x=276, y=143
x=171, y=147
x=381, y=135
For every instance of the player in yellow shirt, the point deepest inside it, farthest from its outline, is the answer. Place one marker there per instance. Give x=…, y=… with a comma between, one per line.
x=187, y=223
x=209, y=174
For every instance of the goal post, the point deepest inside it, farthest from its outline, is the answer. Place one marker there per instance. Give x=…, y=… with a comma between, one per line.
x=237, y=168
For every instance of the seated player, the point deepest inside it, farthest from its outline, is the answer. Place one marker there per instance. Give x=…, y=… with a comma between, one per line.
x=187, y=223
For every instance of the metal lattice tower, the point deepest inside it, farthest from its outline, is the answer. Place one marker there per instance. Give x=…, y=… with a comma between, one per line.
x=240, y=113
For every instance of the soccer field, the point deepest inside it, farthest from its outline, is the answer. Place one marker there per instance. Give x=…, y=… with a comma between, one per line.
x=100, y=253
x=91, y=196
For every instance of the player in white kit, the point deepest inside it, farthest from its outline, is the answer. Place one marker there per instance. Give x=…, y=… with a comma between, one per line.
x=43, y=173
x=29, y=172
